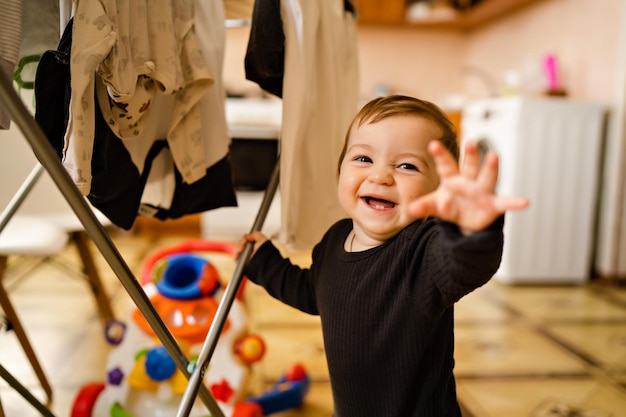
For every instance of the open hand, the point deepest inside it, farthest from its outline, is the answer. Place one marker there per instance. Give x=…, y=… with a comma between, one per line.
x=465, y=195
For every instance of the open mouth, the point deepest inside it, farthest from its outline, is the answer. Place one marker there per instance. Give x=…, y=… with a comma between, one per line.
x=378, y=203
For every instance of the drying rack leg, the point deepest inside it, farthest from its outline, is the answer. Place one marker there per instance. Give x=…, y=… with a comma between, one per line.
x=10, y=379
x=226, y=302
x=50, y=161
x=81, y=241
x=20, y=333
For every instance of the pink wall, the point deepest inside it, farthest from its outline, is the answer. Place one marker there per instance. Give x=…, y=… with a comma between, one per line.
x=432, y=63
x=583, y=34
x=423, y=63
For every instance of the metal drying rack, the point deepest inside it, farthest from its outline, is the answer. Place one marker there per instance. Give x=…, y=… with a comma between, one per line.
x=49, y=161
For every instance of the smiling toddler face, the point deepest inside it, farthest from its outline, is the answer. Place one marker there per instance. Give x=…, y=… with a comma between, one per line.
x=386, y=165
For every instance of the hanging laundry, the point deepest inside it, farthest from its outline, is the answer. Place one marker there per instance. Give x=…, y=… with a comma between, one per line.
x=141, y=175
x=118, y=184
x=53, y=90
x=265, y=54
x=319, y=85
x=10, y=40
x=264, y=61
x=121, y=41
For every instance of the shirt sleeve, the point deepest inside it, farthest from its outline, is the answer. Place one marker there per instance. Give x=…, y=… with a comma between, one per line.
x=281, y=279
x=466, y=262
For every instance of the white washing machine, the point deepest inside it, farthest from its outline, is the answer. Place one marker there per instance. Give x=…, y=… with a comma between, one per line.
x=550, y=150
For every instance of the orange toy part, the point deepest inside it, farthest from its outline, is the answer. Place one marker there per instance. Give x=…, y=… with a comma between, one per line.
x=250, y=348
x=209, y=280
x=187, y=319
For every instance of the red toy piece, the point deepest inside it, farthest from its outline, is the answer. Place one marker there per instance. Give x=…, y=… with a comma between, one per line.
x=247, y=410
x=85, y=400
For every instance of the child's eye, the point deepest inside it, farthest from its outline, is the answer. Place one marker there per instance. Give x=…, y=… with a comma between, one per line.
x=363, y=159
x=409, y=167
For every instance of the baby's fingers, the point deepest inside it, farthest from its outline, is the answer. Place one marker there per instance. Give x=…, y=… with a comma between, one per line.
x=488, y=175
x=444, y=161
x=243, y=242
x=503, y=204
x=256, y=237
x=241, y=245
x=471, y=161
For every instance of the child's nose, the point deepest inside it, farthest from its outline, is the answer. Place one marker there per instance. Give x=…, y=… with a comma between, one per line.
x=381, y=175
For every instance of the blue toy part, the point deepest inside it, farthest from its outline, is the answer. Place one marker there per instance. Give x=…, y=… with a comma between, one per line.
x=288, y=392
x=159, y=364
x=184, y=277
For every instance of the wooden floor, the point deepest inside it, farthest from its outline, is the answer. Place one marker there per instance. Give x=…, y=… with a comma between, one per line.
x=521, y=351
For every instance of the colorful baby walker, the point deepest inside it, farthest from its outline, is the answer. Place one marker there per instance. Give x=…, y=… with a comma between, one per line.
x=142, y=379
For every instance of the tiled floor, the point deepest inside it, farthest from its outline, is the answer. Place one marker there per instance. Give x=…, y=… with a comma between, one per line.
x=521, y=351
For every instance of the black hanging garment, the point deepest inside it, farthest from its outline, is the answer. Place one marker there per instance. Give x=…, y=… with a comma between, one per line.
x=265, y=55
x=53, y=90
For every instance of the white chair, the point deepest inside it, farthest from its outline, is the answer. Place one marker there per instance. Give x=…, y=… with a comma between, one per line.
x=45, y=201
x=27, y=236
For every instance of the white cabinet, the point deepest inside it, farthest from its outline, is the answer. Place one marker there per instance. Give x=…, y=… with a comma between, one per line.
x=550, y=150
